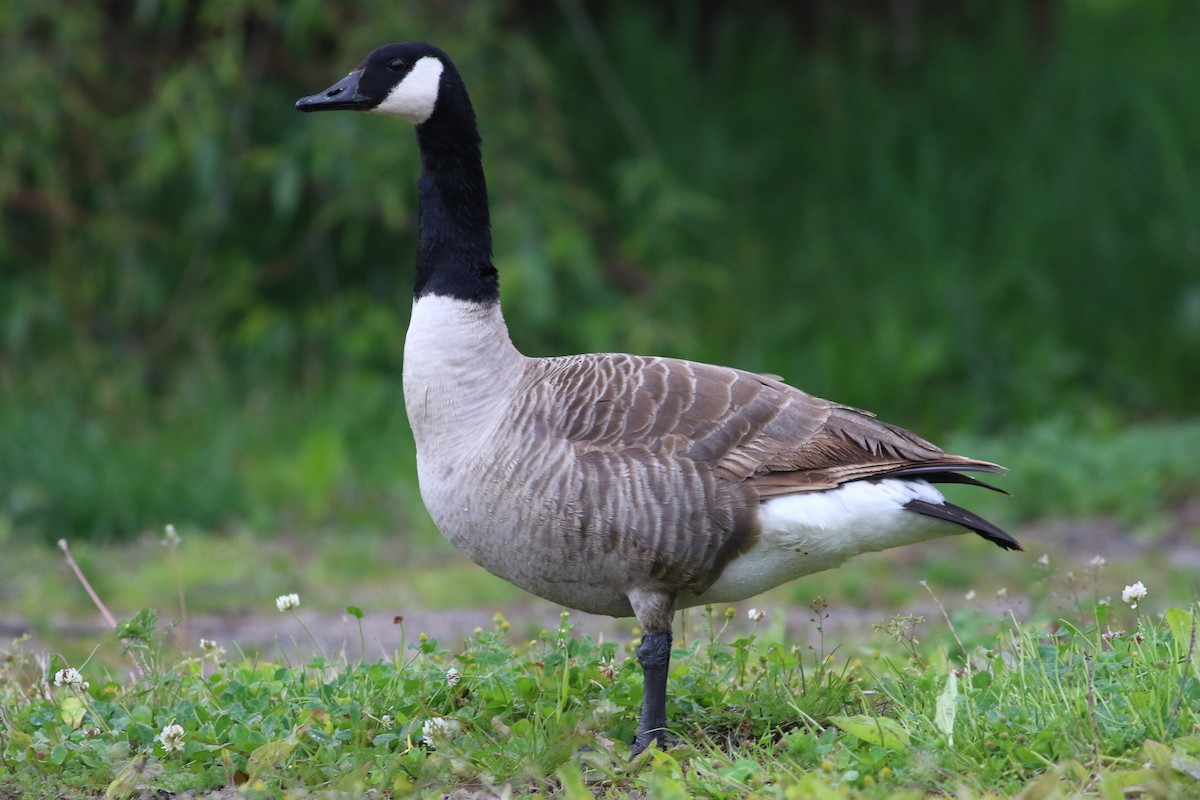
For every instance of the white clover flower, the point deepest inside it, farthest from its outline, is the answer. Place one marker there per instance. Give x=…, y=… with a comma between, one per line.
x=1134, y=594
x=286, y=602
x=607, y=669
x=1044, y=561
x=970, y=595
x=1097, y=562
x=211, y=649
x=756, y=615
x=452, y=676
x=172, y=738
x=172, y=538
x=69, y=676
x=439, y=731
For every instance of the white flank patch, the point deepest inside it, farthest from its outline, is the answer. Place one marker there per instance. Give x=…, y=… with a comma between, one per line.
x=414, y=97
x=810, y=532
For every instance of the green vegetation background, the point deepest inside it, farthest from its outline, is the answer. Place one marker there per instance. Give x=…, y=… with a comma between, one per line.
x=982, y=218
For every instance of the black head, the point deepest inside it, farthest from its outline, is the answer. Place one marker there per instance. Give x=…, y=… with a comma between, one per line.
x=401, y=80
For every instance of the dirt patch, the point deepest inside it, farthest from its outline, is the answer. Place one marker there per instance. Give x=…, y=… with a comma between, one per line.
x=278, y=635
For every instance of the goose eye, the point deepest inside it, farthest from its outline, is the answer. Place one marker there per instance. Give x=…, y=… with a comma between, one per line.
x=397, y=64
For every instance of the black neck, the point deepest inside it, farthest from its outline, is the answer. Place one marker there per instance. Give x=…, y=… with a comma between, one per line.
x=454, y=258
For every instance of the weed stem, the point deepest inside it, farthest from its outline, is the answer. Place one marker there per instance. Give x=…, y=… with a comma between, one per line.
x=949, y=624
x=108, y=617
x=1091, y=701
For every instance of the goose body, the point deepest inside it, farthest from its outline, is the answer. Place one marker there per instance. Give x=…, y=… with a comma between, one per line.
x=620, y=484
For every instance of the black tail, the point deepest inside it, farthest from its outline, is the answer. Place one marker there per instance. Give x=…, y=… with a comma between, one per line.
x=944, y=475
x=960, y=516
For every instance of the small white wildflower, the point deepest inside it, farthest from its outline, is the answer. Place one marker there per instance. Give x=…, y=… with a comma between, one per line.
x=286, y=602
x=1097, y=562
x=211, y=649
x=387, y=721
x=970, y=595
x=439, y=730
x=172, y=738
x=1044, y=560
x=1002, y=592
x=69, y=676
x=1134, y=594
x=172, y=538
x=452, y=676
x=756, y=615
x=607, y=669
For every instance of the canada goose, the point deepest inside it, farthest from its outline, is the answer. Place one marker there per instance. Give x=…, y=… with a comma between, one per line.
x=620, y=484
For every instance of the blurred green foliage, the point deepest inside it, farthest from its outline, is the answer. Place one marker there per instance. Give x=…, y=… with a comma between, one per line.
x=966, y=221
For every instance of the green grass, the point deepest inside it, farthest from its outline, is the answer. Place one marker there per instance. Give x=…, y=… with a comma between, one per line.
x=759, y=714
x=1103, y=705
x=762, y=714
x=1105, y=467
x=107, y=460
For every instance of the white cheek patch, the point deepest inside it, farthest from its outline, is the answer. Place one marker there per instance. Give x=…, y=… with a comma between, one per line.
x=414, y=97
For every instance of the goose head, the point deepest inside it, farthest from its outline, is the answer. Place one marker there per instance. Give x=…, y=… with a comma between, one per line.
x=398, y=80
x=417, y=82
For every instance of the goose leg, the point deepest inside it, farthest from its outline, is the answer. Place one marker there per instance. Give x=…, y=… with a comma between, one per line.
x=654, y=654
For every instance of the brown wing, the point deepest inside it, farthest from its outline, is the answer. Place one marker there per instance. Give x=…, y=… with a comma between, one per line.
x=837, y=443
x=748, y=428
